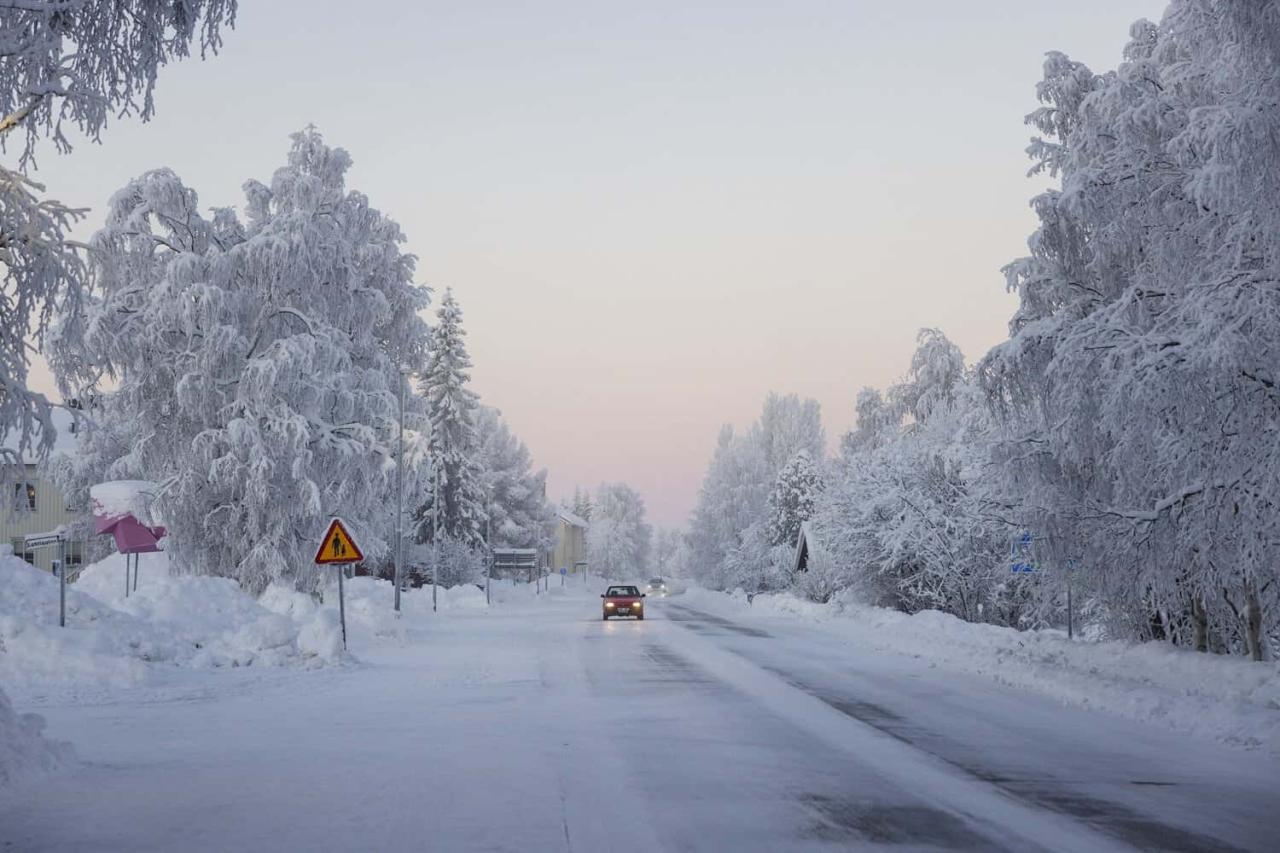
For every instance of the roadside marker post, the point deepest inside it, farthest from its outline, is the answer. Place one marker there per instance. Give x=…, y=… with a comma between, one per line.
x=339, y=548
x=563, y=572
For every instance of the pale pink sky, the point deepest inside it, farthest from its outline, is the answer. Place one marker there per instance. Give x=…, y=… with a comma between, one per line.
x=652, y=213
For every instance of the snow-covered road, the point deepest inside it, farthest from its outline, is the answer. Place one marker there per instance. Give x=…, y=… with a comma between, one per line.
x=543, y=728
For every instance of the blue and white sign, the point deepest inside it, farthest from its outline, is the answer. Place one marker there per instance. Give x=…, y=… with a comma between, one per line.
x=1022, y=560
x=563, y=570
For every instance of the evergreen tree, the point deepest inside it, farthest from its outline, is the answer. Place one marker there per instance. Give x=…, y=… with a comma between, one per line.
x=793, y=499
x=453, y=443
x=581, y=506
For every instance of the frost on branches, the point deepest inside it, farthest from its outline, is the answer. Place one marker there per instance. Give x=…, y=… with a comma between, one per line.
x=78, y=62
x=905, y=514
x=255, y=362
x=1139, y=385
x=619, y=539
x=519, y=514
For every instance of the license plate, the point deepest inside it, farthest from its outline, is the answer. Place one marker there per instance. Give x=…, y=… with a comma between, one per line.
x=624, y=609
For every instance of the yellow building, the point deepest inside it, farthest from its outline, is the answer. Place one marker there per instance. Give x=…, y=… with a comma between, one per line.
x=571, y=543
x=37, y=506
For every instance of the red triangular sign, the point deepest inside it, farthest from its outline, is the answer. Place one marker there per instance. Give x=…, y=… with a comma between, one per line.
x=338, y=546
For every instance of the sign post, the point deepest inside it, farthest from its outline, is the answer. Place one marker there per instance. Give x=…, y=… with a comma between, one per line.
x=45, y=540
x=338, y=548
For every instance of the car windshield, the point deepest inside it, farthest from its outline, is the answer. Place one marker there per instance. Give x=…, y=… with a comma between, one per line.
x=622, y=590
x=656, y=582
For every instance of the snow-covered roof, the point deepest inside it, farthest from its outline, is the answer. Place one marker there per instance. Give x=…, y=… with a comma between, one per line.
x=64, y=422
x=571, y=519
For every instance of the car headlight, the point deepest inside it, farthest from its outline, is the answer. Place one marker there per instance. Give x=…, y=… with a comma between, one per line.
x=608, y=604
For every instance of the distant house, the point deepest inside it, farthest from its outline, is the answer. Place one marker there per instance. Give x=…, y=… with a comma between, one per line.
x=571, y=543
x=806, y=546
x=35, y=505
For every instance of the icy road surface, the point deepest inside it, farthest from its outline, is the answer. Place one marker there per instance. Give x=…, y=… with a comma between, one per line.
x=542, y=728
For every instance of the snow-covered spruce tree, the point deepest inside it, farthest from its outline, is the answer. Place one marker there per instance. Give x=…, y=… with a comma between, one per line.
x=454, y=443
x=1139, y=384
x=519, y=515
x=619, y=539
x=69, y=64
x=793, y=498
x=255, y=364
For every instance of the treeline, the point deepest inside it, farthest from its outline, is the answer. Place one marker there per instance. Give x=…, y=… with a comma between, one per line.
x=1125, y=441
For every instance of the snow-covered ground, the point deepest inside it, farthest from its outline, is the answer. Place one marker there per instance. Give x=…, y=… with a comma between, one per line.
x=532, y=725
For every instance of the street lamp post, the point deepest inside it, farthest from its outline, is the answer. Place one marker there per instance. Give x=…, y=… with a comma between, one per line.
x=400, y=495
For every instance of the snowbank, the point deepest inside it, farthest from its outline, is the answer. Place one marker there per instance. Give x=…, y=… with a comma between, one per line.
x=113, y=640
x=23, y=749
x=1232, y=700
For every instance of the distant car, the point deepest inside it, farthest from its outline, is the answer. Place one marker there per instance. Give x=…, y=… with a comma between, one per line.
x=623, y=601
x=657, y=586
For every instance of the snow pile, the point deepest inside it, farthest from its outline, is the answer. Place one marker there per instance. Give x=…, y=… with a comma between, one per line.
x=1229, y=699
x=110, y=639
x=23, y=750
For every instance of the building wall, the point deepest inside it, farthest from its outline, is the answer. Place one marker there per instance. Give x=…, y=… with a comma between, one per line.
x=50, y=513
x=571, y=547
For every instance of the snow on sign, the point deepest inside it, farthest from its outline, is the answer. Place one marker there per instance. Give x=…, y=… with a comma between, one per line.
x=337, y=546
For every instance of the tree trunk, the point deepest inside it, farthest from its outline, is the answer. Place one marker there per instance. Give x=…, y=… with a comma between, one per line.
x=1253, y=623
x=1199, y=624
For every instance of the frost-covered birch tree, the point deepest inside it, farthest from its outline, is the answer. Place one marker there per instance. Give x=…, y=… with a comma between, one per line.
x=519, y=515
x=68, y=66
x=1139, y=384
x=619, y=539
x=255, y=362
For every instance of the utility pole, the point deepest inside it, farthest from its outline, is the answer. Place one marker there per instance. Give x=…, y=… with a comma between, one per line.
x=488, y=543
x=400, y=495
x=435, y=535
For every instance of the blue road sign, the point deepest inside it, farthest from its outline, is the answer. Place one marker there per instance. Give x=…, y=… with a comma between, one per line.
x=563, y=570
x=1021, y=561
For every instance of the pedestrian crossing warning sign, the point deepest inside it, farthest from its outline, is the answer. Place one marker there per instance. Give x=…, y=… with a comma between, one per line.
x=337, y=546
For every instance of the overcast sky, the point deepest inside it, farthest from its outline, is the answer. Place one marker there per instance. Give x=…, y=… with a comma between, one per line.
x=652, y=213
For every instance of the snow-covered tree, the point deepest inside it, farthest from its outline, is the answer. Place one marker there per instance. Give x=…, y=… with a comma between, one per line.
x=519, y=515
x=254, y=363
x=1139, y=386
x=793, y=498
x=619, y=539
x=729, y=536
x=581, y=503
x=77, y=64
x=454, y=444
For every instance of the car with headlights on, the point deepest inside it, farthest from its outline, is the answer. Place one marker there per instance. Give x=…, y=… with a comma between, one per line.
x=623, y=601
x=657, y=586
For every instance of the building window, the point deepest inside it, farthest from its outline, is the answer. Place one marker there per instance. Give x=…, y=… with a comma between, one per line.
x=24, y=493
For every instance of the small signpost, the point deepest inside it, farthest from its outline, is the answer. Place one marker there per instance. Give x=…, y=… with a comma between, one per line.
x=563, y=572
x=45, y=540
x=338, y=548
